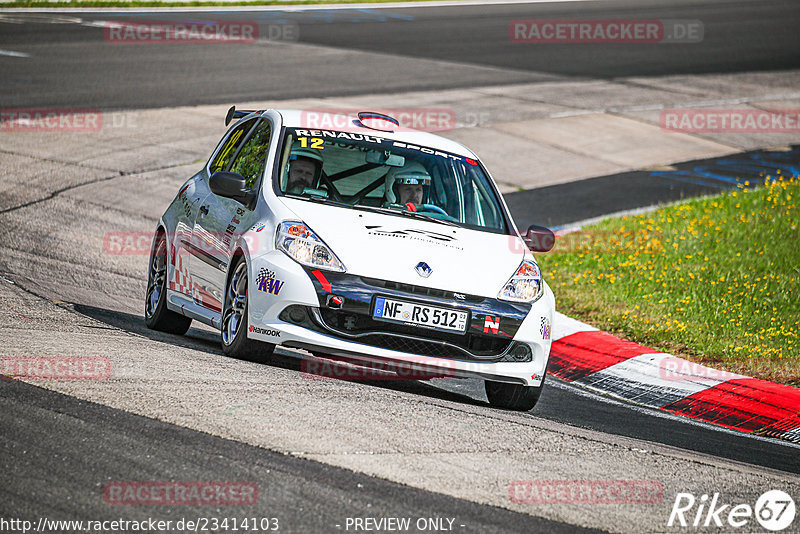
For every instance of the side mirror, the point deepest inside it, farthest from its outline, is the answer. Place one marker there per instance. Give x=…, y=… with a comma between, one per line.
x=231, y=185
x=539, y=238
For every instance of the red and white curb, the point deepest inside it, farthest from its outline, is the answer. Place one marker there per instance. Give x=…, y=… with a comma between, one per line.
x=599, y=361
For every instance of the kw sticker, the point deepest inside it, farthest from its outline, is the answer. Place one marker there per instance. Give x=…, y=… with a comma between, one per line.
x=546, y=328
x=268, y=283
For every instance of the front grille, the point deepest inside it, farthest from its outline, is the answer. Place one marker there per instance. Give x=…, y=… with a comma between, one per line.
x=410, y=345
x=364, y=329
x=478, y=348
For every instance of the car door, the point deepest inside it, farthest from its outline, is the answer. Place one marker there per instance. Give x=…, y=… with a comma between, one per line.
x=220, y=220
x=198, y=250
x=186, y=212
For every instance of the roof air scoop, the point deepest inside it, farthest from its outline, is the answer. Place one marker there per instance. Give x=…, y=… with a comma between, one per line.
x=377, y=121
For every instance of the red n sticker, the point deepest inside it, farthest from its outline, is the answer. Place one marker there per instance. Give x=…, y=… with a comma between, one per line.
x=491, y=323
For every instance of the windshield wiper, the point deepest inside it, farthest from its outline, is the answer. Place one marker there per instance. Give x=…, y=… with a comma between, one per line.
x=412, y=214
x=418, y=215
x=321, y=200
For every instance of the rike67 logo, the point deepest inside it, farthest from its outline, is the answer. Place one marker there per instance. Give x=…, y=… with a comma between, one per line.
x=774, y=510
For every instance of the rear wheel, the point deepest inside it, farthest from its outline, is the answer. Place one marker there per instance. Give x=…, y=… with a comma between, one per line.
x=513, y=396
x=234, y=320
x=156, y=314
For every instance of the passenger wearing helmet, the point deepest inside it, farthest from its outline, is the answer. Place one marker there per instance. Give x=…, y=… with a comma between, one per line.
x=408, y=184
x=305, y=169
x=409, y=193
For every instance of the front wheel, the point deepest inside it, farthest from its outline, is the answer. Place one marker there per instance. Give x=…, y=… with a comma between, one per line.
x=234, y=320
x=513, y=396
x=156, y=314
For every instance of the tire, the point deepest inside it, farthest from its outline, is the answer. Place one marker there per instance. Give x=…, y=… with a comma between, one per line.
x=156, y=314
x=233, y=330
x=512, y=396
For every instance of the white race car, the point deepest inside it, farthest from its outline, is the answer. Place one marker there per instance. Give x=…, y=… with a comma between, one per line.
x=359, y=240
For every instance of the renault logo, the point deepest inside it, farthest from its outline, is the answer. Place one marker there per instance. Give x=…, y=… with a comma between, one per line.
x=423, y=269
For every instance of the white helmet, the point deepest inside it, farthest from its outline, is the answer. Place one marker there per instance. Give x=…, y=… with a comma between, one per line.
x=412, y=173
x=305, y=153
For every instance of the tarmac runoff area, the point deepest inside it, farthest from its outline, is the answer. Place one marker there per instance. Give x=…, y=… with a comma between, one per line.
x=528, y=135
x=66, y=294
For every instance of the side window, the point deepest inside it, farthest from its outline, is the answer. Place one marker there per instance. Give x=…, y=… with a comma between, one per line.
x=253, y=156
x=447, y=190
x=230, y=146
x=486, y=212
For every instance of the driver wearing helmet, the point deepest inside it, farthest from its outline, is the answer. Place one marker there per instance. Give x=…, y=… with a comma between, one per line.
x=408, y=184
x=305, y=170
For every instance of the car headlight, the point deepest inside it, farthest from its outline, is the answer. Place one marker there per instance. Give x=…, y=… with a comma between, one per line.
x=525, y=286
x=303, y=246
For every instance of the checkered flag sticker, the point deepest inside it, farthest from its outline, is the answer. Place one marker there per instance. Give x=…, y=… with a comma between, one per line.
x=546, y=328
x=264, y=274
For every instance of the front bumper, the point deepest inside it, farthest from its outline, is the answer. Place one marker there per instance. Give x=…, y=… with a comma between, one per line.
x=504, y=341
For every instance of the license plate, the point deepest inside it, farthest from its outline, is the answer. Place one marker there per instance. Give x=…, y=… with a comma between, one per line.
x=410, y=313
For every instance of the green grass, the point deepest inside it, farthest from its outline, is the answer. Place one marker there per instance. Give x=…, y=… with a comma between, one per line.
x=714, y=280
x=156, y=3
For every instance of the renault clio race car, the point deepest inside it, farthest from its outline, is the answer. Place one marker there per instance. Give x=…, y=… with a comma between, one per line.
x=357, y=240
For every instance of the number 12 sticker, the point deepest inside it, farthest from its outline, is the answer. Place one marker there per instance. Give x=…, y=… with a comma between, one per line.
x=316, y=142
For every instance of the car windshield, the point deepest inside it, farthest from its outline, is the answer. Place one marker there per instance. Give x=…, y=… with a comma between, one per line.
x=360, y=171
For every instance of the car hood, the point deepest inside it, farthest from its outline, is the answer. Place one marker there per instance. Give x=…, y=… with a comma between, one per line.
x=389, y=247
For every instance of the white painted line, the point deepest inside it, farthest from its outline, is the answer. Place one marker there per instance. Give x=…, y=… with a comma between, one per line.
x=564, y=326
x=792, y=435
x=578, y=225
x=292, y=7
x=655, y=379
x=574, y=227
x=576, y=113
x=11, y=53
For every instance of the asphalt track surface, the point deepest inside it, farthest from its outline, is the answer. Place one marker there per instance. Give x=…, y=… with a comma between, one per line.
x=302, y=495
x=71, y=64
x=564, y=205
x=47, y=437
